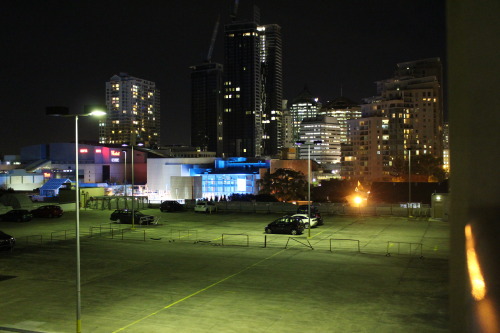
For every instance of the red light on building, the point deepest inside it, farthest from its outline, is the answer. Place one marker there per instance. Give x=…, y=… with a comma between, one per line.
x=115, y=153
x=84, y=151
x=98, y=151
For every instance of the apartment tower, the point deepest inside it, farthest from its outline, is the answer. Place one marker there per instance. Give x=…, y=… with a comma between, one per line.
x=133, y=112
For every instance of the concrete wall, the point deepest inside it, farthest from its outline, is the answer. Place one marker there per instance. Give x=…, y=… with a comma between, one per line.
x=474, y=82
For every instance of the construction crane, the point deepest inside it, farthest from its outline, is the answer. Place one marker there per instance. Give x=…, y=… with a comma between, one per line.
x=235, y=10
x=212, y=42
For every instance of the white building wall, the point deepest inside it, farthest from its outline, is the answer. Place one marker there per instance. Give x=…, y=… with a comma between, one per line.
x=163, y=171
x=18, y=180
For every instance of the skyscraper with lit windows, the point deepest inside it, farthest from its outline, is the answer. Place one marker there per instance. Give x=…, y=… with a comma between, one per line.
x=325, y=130
x=404, y=119
x=343, y=109
x=305, y=105
x=252, y=88
x=206, y=107
x=133, y=112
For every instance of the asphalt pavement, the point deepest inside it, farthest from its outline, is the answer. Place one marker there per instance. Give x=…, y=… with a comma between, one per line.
x=221, y=273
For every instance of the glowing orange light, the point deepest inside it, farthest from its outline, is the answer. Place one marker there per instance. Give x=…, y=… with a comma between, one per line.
x=475, y=275
x=115, y=153
x=358, y=200
x=46, y=174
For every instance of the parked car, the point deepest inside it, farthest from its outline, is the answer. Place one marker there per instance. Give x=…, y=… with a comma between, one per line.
x=205, y=207
x=7, y=242
x=303, y=209
x=306, y=220
x=286, y=225
x=171, y=206
x=124, y=216
x=47, y=211
x=17, y=215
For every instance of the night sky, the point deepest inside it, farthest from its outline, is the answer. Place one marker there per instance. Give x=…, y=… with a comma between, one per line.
x=63, y=52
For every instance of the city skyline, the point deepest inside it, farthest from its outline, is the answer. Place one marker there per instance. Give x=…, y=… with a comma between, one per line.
x=63, y=54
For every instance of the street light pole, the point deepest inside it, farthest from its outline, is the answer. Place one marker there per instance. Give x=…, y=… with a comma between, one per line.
x=299, y=143
x=409, y=181
x=309, y=188
x=125, y=174
x=60, y=111
x=133, y=198
x=133, y=178
x=78, y=284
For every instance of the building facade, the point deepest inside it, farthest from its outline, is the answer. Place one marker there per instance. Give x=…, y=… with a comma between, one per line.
x=252, y=89
x=195, y=178
x=272, y=87
x=305, y=105
x=367, y=156
x=206, y=107
x=410, y=109
x=133, y=112
x=96, y=164
x=342, y=109
x=326, y=131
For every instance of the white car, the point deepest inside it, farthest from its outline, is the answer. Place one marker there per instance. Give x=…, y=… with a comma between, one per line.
x=306, y=220
x=205, y=207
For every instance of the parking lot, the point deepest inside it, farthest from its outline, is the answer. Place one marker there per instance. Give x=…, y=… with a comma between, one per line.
x=221, y=273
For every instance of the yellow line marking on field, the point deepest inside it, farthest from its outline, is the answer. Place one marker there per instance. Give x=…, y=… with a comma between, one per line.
x=319, y=233
x=197, y=292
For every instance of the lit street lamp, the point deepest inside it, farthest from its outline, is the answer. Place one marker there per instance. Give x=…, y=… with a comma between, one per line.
x=299, y=143
x=132, y=182
x=61, y=111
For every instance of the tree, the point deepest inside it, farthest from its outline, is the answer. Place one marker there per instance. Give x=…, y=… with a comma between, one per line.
x=426, y=165
x=284, y=185
x=399, y=168
x=429, y=166
x=332, y=190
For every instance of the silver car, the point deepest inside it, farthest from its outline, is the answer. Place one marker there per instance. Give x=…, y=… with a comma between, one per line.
x=205, y=207
x=313, y=222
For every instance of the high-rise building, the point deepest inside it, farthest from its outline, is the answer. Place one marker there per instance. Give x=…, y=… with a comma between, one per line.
x=326, y=130
x=252, y=88
x=411, y=102
x=287, y=127
x=305, y=105
x=272, y=87
x=343, y=109
x=133, y=112
x=446, y=147
x=206, y=107
x=366, y=157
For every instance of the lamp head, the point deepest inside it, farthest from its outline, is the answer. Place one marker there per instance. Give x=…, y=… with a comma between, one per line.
x=57, y=111
x=128, y=144
x=94, y=110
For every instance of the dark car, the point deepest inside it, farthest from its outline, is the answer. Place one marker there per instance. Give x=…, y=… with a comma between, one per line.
x=303, y=209
x=125, y=216
x=7, y=242
x=285, y=225
x=47, y=211
x=171, y=206
x=16, y=215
